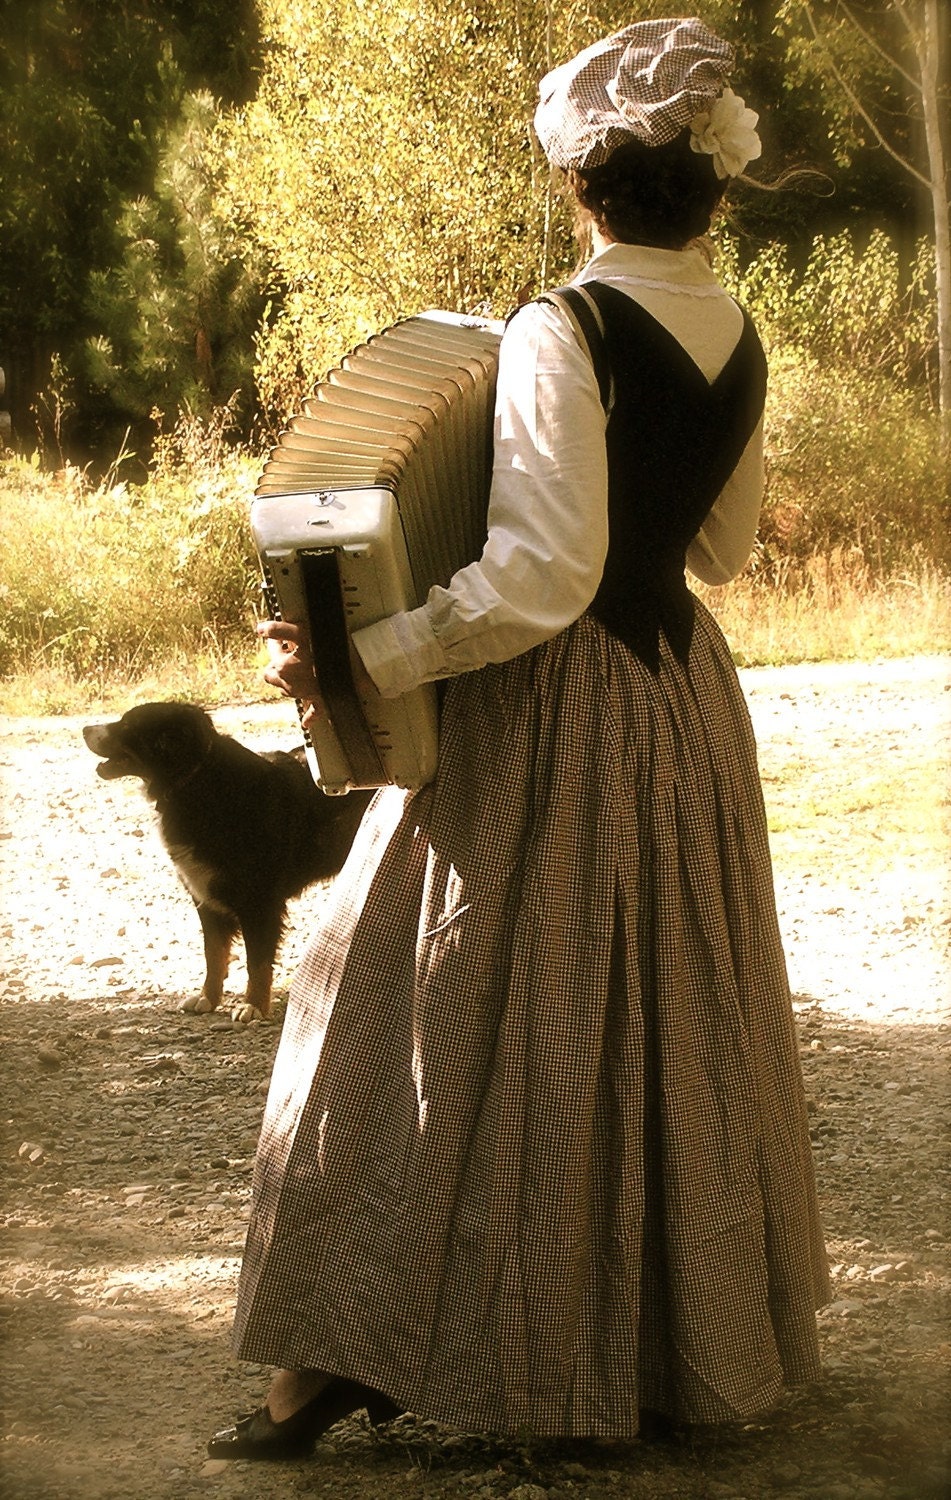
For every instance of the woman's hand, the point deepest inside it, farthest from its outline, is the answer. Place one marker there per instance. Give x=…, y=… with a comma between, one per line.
x=292, y=667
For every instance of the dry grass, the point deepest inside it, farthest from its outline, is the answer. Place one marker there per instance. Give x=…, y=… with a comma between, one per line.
x=112, y=592
x=834, y=610
x=834, y=614
x=112, y=595
x=210, y=676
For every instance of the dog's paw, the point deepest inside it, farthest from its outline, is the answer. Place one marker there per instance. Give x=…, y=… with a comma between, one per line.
x=198, y=1005
x=244, y=1014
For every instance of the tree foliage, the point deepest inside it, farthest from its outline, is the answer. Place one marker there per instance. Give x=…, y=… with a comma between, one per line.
x=90, y=88
x=163, y=160
x=178, y=312
x=886, y=61
x=390, y=158
x=388, y=162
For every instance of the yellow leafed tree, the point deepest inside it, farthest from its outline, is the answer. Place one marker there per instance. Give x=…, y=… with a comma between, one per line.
x=388, y=164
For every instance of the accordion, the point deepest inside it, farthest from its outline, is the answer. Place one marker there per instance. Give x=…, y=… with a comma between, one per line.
x=376, y=491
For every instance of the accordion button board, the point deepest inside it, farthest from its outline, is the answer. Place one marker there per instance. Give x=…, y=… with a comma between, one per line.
x=376, y=492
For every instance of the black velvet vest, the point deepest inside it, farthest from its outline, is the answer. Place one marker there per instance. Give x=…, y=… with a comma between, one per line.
x=673, y=438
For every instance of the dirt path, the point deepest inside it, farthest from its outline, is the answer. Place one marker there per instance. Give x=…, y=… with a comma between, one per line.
x=129, y=1132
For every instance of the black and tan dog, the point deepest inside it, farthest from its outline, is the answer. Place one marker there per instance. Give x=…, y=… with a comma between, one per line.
x=246, y=832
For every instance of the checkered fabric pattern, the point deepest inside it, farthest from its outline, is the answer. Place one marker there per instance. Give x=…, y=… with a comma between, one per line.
x=535, y=1152
x=646, y=82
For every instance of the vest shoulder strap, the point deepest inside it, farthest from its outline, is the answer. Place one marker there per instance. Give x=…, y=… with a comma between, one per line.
x=584, y=315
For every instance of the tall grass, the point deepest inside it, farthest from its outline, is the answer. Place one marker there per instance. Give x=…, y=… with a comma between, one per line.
x=118, y=595
x=836, y=610
x=112, y=587
x=112, y=592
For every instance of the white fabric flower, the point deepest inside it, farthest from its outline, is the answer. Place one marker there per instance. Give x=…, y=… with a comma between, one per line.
x=727, y=132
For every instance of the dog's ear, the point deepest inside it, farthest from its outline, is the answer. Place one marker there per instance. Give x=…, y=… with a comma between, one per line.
x=180, y=746
x=172, y=745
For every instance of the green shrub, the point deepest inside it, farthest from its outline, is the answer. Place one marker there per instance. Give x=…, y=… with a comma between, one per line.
x=861, y=310
x=853, y=462
x=109, y=581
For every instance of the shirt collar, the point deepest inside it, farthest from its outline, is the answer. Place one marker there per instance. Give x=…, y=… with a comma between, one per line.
x=688, y=268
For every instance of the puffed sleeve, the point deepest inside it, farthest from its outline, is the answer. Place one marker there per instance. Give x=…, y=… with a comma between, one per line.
x=547, y=521
x=722, y=546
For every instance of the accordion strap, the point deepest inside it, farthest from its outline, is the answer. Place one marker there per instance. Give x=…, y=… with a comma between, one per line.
x=584, y=315
x=322, y=588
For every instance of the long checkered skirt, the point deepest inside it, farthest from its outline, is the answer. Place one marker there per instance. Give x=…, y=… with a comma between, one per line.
x=535, y=1150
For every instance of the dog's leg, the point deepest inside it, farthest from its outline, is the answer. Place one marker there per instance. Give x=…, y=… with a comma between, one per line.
x=262, y=935
x=219, y=931
x=257, y=1001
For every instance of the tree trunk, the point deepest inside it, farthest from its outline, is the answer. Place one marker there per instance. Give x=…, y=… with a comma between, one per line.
x=929, y=58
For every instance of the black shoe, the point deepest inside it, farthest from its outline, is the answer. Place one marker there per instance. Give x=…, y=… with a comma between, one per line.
x=258, y=1436
x=655, y=1426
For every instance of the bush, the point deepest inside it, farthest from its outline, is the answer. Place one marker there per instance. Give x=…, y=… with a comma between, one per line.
x=108, y=581
x=860, y=310
x=853, y=462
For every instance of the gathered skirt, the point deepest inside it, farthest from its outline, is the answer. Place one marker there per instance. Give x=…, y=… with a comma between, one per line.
x=535, y=1152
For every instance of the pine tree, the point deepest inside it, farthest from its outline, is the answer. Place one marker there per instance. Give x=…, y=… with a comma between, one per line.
x=177, y=313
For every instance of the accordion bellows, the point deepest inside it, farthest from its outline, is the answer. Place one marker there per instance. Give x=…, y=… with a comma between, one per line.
x=377, y=491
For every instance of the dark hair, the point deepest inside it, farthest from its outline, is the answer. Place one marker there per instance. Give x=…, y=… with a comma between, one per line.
x=652, y=195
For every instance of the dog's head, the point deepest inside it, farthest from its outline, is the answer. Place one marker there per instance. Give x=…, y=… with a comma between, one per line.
x=163, y=743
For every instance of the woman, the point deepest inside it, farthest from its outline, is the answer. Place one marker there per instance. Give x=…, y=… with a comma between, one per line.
x=535, y=1150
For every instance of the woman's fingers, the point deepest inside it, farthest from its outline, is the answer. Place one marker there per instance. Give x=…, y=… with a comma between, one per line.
x=280, y=631
x=293, y=677
x=291, y=667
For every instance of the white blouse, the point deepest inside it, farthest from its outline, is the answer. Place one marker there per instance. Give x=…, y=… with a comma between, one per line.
x=547, y=519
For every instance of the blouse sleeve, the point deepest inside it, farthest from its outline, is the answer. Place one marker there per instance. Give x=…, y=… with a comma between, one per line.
x=547, y=521
x=722, y=546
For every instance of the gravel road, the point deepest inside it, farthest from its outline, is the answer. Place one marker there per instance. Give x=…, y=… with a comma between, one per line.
x=129, y=1131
